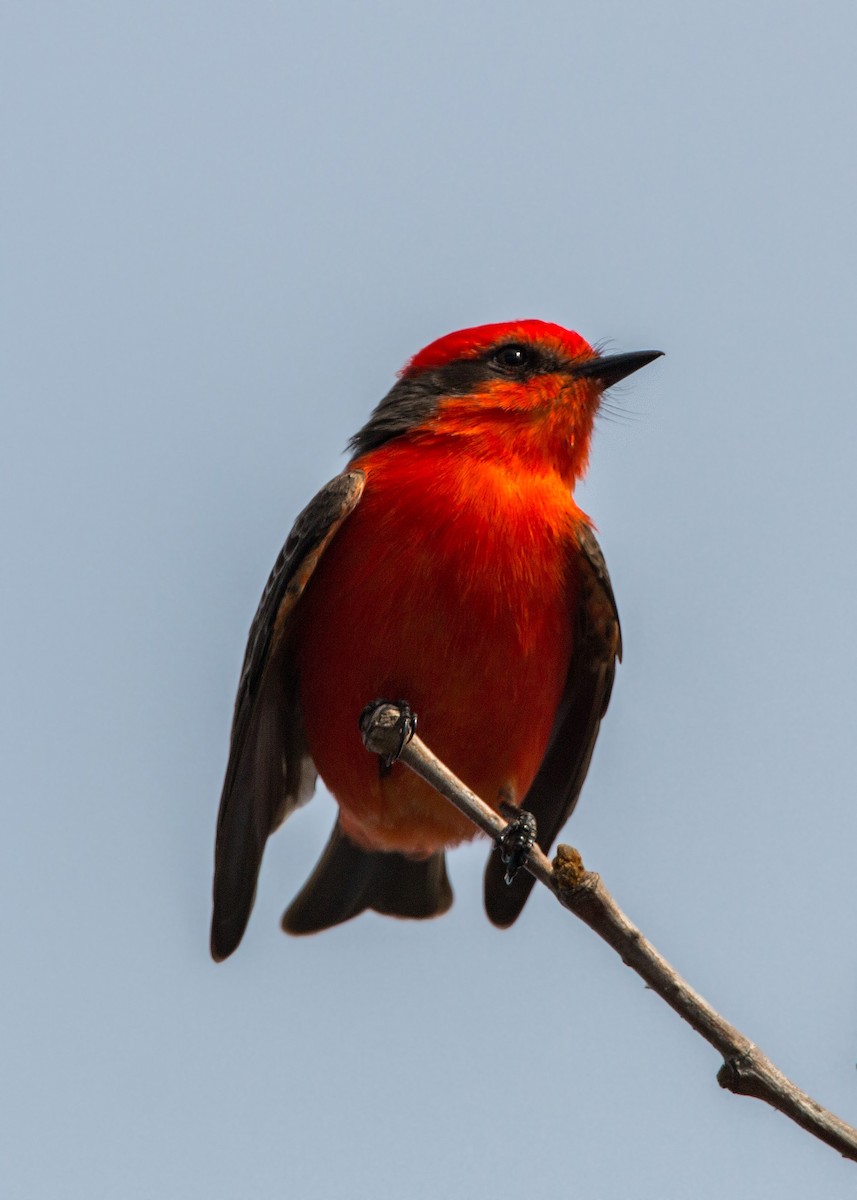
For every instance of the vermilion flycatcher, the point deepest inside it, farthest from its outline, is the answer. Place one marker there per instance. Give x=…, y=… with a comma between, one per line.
x=450, y=566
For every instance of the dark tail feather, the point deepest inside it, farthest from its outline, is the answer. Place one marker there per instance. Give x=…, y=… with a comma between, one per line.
x=349, y=880
x=504, y=901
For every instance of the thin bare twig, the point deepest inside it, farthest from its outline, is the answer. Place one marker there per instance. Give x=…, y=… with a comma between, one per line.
x=746, y=1071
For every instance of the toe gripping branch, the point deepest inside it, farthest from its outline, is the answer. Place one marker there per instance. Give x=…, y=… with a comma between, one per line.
x=517, y=839
x=387, y=726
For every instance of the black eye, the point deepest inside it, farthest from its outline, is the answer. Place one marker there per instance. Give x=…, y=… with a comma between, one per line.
x=513, y=357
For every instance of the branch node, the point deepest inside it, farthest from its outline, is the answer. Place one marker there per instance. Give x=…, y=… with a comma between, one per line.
x=740, y=1076
x=575, y=886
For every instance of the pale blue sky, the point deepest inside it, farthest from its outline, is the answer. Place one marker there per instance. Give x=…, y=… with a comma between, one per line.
x=225, y=227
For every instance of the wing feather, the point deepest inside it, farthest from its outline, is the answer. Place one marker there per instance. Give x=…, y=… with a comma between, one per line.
x=270, y=772
x=554, y=792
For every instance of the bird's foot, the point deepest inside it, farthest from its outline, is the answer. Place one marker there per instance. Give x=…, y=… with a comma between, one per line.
x=387, y=726
x=518, y=838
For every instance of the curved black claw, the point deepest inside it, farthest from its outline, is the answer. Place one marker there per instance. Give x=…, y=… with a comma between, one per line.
x=518, y=838
x=405, y=727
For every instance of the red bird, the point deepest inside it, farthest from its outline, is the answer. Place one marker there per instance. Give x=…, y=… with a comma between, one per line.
x=448, y=565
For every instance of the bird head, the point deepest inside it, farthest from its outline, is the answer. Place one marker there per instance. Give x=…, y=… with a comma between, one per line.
x=518, y=389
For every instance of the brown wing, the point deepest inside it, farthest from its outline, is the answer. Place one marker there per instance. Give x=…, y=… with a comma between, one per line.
x=269, y=772
x=554, y=791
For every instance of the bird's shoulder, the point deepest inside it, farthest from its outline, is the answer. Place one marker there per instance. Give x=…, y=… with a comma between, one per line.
x=312, y=531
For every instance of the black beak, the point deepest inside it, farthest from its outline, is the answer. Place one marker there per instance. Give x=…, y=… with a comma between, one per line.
x=613, y=367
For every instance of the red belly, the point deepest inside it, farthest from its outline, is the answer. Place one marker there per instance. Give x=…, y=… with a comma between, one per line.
x=456, y=599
